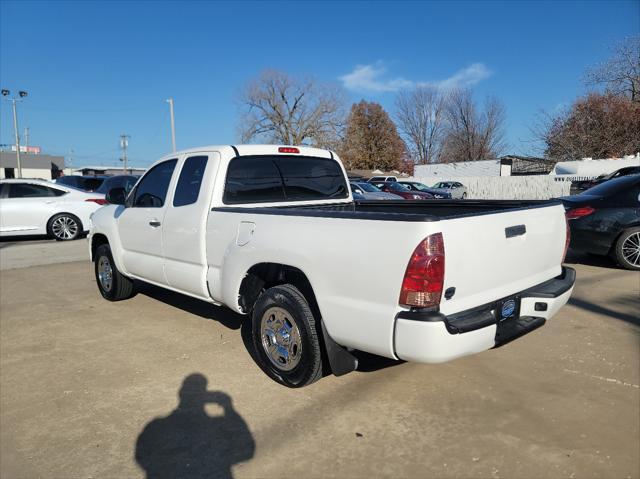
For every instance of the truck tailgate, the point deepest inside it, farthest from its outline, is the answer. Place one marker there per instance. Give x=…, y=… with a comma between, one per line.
x=492, y=256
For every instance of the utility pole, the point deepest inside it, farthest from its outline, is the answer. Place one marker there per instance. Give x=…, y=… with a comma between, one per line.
x=173, y=124
x=15, y=128
x=124, y=143
x=14, y=100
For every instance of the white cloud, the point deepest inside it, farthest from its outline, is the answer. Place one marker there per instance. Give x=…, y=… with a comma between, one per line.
x=368, y=78
x=469, y=76
x=371, y=78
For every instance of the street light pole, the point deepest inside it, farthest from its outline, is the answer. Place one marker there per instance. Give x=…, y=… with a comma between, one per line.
x=173, y=125
x=15, y=128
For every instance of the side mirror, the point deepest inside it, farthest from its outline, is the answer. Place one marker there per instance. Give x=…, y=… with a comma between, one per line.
x=116, y=196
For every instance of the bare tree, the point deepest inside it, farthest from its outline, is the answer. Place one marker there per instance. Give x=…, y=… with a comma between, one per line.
x=420, y=115
x=472, y=135
x=281, y=109
x=621, y=73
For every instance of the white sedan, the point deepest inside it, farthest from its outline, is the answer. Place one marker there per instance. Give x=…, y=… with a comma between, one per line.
x=38, y=207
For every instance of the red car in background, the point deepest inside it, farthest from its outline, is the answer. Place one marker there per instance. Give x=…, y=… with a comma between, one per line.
x=398, y=189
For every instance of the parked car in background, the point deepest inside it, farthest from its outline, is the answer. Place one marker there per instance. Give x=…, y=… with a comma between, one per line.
x=397, y=189
x=84, y=183
x=262, y=228
x=605, y=220
x=38, y=207
x=456, y=189
x=369, y=192
x=119, y=181
x=579, y=186
x=381, y=178
x=417, y=186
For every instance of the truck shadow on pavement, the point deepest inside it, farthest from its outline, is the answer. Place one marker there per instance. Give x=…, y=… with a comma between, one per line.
x=224, y=316
x=232, y=320
x=189, y=443
x=626, y=302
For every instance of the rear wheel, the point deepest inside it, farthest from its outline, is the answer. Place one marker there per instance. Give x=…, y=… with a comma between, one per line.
x=64, y=227
x=112, y=284
x=285, y=337
x=627, y=249
x=464, y=196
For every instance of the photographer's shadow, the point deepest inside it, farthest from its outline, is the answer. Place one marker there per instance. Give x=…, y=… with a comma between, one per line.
x=188, y=443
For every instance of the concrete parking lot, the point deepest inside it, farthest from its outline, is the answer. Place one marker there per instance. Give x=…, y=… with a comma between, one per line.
x=164, y=385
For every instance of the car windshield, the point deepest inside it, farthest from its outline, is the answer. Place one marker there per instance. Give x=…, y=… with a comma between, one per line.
x=612, y=187
x=396, y=187
x=368, y=187
x=420, y=186
x=125, y=182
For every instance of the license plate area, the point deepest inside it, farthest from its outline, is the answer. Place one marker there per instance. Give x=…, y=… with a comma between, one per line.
x=508, y=309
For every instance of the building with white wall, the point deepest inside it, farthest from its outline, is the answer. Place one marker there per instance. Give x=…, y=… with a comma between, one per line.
x=590, y=168
x=510, y=165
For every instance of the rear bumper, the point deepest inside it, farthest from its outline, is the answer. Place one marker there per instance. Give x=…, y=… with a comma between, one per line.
x=431, y=337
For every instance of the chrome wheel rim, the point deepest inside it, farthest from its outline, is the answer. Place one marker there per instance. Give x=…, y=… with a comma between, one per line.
x=64, y=227
x=631, y=249
x=105, y=273
x=280, y=338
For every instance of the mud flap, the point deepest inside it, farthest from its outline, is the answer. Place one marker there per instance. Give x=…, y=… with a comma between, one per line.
x=340, y=360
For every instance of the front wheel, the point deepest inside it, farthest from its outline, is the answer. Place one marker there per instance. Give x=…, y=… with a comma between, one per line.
x=112, y=284
x=64, y=227
x=627, y=249
x=285, y=337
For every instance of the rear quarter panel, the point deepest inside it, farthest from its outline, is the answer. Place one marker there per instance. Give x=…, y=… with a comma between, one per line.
x=354, y=266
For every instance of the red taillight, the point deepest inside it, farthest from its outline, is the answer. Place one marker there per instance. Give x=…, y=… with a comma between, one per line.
x=567, y=239
x=288, y=149
x=575, y=213
x=100, y=201
x=424, y=277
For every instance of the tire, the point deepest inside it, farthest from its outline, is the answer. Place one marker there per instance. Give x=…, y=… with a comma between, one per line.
x=64, y=227
x=627, y=249
x=464, y=196
x=113, y=285
x=284, y=311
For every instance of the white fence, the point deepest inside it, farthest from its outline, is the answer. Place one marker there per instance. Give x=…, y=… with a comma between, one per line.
x=534, y=187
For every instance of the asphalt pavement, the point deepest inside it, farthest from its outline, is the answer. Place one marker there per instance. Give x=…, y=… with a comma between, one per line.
x=164, y=385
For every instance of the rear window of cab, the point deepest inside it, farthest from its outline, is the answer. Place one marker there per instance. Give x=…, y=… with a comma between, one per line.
x=274, y=178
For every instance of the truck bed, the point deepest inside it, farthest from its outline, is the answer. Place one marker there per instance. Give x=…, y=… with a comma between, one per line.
x=398, y=210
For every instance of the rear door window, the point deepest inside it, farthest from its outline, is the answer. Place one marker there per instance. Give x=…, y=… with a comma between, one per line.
x=190, y=180
x=27, y=190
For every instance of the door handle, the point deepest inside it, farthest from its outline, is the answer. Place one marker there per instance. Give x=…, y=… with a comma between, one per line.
x=154, y=223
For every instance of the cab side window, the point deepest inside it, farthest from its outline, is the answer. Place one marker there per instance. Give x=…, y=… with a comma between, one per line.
x=151, y=192
x=190, y=180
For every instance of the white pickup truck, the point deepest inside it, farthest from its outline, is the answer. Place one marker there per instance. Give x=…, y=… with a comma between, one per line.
x=273, y=233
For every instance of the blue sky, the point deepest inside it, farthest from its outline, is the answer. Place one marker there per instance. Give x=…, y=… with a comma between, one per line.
x=96, y=70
